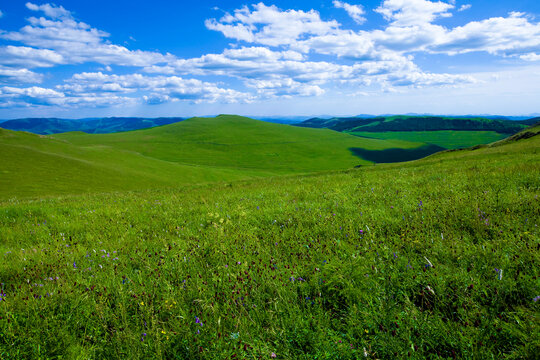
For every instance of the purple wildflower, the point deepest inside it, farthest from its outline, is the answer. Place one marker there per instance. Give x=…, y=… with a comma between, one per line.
x=535, y=299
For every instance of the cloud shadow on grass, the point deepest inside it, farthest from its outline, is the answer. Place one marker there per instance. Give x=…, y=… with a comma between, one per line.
x=396, y=154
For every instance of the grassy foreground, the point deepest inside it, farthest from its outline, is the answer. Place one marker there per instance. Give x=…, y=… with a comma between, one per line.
x=437, y=258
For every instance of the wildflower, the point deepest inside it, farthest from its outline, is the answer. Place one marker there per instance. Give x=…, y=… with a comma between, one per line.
x=273, y=355
x=535, y=299
x=74, y=265
x=143, y=336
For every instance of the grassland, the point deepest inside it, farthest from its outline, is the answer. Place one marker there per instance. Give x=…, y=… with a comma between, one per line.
x=198, y=150
x=447, y=139
x=436, y=258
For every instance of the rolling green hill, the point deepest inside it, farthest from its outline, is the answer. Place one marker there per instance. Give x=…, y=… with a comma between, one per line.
x=197, y=150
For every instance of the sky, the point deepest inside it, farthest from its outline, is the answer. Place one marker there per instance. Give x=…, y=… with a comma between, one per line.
x=76, y=59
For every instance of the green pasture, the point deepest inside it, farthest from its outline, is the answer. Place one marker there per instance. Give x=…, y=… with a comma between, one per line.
x=431, y=259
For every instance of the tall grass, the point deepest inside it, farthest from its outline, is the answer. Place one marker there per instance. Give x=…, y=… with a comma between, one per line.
x=436, y=258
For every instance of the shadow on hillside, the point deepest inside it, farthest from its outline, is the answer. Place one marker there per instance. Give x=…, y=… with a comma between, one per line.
x=396, y=154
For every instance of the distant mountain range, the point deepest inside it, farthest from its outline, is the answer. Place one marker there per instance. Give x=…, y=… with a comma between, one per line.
x=47, y=126
x=500, y=124
x=419, y=123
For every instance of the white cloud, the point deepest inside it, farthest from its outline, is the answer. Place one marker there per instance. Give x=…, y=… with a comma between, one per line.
x=356, y=12
x=173, y=88
x=279, y=61
x=465, y=7
x=33, y=95
x=52, y=11
x=420, y=79
x=531, y=57
x=413, y=12
x=512, y=35
x=75, y=42
x=284, y=87
x=19, y=75
x=24, y=56
x=269, y=25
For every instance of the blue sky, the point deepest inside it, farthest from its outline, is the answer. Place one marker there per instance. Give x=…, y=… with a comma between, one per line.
x=78, y=59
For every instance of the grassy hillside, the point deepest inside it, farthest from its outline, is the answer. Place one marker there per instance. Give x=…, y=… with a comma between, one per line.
x=436, y=258
x=197, y=150
x=241, y=143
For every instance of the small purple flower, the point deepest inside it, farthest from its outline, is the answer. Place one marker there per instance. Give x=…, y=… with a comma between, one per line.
x=74, y=265
x=536, y=298
x=143, y=336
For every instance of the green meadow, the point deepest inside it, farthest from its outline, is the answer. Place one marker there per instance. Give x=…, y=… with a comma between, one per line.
x=292, y=254
x=198, y=150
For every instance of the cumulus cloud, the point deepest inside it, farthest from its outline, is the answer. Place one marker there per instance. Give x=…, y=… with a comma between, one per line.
x=356, y=12
x=10, y=75
x=413, y=12
x=531, y=57
x=52, y=11
x=274, y=53
x=24, y=56
x=512, y=35
x=268, y=25
x=162, y=88
x=74, y=42
x=465, y=7
x=33, y=95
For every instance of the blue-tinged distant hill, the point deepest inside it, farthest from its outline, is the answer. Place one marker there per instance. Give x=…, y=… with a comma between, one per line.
x=47, y=126
x=449, y=132
x=419, y=123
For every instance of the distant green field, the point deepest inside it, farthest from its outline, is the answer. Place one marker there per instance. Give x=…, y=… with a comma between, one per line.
x=447, y=139
x=195, y=151
x=430, y=259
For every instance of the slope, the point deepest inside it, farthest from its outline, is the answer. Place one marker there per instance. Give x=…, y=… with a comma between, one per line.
x=241, y=143
x=33, y=165
x=194, y=151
